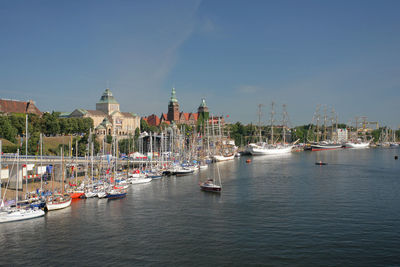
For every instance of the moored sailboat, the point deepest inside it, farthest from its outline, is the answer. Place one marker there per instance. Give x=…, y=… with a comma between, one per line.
x=17, y=213
x=58, y=201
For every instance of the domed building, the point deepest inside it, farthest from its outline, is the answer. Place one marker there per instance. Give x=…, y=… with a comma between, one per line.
x=108, y=119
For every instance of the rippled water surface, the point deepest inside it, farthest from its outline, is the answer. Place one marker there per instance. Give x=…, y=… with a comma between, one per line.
x=273, y=211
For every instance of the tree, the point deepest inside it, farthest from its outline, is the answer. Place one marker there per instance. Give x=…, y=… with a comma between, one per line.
x=125, y=145
x=7, y=131
x=109, y=139
x=144, y=126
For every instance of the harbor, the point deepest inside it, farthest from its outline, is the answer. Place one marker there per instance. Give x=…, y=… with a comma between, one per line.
x=274, y=205
x=199, y=133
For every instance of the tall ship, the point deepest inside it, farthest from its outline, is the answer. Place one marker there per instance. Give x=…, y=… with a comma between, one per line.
x=272, y=148
x=360, y=135
x=323, y=137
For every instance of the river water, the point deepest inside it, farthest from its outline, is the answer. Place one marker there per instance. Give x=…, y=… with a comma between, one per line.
x=273, y=211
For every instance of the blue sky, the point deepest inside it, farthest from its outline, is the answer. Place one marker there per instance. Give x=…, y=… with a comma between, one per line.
x=236, y=54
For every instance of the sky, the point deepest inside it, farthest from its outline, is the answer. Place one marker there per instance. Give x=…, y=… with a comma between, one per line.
x=236, y=54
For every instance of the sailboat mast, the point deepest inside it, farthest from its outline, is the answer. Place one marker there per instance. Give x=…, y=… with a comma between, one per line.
x=219, y=177
x=259, y=120
x=76, y=162
x=272, y=122
x=26, y=154
x=41, y=162
x=1, y=171
x=284, y=124
x=325, y=118
x=318, y=118
x=62, y=170
x=17, y=183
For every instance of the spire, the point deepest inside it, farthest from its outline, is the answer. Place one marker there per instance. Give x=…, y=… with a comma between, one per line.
x=203, y=103
x=173, y=96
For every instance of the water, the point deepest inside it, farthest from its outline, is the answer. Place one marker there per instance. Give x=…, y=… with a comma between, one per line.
x=273, y=211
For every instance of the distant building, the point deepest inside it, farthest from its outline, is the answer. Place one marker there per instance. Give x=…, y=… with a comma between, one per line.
x=342, y=135
x=108, y=119
x=22, y=107
x=174, y=115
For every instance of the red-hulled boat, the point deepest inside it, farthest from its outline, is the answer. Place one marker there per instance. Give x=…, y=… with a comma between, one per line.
x=210, y=186
x=77, y=194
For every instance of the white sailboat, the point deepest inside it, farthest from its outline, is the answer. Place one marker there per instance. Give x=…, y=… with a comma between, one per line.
x=267, y=149
x=17, y=213
x=263, y=148
x=58, y=201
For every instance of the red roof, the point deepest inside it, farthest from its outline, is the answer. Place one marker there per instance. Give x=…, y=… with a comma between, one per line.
x=153, y=120
x=14, y=106
x=164, y=116
x=186, y=116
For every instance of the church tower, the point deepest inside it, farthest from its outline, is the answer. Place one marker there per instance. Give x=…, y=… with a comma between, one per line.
x=203, y=113
x=173, y=108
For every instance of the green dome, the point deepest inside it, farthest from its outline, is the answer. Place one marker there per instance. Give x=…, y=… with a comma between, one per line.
x=108, y=97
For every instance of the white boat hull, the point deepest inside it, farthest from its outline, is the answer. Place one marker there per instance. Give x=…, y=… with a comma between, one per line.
x=90, y=194
x=58, y=205
x=219, y=158
x=102, y=194
x=356, y=145
x=19, y=215
x=140, y=180
x=257, y=150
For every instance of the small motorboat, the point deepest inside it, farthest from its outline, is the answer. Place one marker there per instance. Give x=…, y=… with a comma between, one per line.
x=320, y=163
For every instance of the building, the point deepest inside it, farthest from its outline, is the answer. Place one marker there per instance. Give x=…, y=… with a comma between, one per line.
x=342, y=135
x=108, y=119
x=22, y=107
x=174, y=115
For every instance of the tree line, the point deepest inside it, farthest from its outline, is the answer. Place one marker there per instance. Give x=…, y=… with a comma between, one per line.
x=13, y=128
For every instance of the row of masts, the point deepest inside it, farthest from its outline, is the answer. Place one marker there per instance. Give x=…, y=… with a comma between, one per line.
x=285, y=122
x=322, y=129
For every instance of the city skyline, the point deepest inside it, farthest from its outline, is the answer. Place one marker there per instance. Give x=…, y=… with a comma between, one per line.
x=234, y=54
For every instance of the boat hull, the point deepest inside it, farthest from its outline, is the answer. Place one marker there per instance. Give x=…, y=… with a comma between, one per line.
x=116, y=196
x=101, y=194
x=317, y=147
x=76, y=195
x=255, y=151
x=20, y=215
x=58, y=205
x=210, y=188
x=219, y=158
x=356, y=145
x=140, y=180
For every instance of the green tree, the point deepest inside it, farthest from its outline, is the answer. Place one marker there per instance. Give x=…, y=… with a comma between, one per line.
x=144, y=126
x=109, y=139
x=7, y=131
